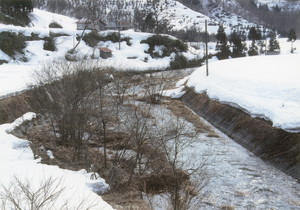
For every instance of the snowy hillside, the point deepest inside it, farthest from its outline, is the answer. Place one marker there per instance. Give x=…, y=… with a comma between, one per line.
x=264, y=86
x=286, y=5
x=131, y=57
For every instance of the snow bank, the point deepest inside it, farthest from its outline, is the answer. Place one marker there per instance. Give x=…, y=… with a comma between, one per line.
x=16, y=75
x=14, y=78
x=265, y=86
x=16, y=160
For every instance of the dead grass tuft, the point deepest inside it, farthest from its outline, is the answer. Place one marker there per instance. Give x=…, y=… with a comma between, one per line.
x=13, y=107
x=125, y=201
x=179, y=109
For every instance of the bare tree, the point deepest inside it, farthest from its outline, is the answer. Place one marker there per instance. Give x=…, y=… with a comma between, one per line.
x=118, y=12
x=65, y=95
x=106, y=107
x=154, y=86
x=23, y=194
x=157, y=15
x=138, y=126
x=119, y=87
x=187, y=171
x=20, y=195
x=94, y=9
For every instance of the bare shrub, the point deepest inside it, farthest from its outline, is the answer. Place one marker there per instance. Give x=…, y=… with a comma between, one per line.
x=188, y=173
x=66, y=96
x=154, y=87
x=23, y=194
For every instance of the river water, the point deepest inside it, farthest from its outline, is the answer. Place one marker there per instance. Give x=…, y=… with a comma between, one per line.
x=236, y=178
x=240, y=180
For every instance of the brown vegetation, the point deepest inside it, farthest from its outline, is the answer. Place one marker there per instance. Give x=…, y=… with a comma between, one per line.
x=118, y=137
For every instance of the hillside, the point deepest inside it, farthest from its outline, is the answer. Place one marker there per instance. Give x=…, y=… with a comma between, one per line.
x=131, y=56
x=281, y=15
x=285, y=5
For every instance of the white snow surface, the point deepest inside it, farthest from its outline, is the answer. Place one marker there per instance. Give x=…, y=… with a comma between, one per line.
x=289, y=5
x=16, y=75
x=265, y=86
x=17, y=160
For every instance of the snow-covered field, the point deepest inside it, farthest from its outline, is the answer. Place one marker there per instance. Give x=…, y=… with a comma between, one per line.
x=264, y=86
x=17, y=163
x=16, y=75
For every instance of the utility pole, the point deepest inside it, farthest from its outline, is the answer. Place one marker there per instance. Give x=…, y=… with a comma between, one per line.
x=119, y=31
x=206, y=47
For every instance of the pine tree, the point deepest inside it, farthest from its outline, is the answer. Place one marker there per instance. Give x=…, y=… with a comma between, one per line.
x=273, y=43
x=238, y=47
x=254, y=34
x=222, y=44
x=17, y=9
x=292, y=35
x=10, y=7
x=292, y=38
x=253, y=49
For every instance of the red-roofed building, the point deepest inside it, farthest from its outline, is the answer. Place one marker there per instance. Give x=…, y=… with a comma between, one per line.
x=105, y=52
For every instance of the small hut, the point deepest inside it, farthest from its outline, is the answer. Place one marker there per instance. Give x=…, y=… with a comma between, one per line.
x=105, y=52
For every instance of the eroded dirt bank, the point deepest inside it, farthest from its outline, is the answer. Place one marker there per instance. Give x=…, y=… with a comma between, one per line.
x=15, y=106
x=274, y=145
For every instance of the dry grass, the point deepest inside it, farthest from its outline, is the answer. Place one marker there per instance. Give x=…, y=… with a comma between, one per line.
x=124, y=197
x=179, y=109
x=227, y=207
x=13, y=107
x=125, y=201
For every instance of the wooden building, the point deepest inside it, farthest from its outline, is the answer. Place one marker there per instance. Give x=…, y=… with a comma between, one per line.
x=97, y=25
x=105, y=52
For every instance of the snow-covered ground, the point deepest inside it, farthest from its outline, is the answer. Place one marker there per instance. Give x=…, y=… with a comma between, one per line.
x=16, y=75
x=289, y=5
x=17, y=163
x=265, y=86
x=182, y=18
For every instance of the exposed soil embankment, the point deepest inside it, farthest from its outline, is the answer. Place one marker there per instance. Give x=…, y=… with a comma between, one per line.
x=274, y=145
x=14, y=106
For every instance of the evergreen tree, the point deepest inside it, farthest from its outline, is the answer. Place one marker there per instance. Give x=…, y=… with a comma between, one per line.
x=17, y=9
x=253, y=49
x=277, y=8
x=292, y=35
x=291, y=38
x=222, y=44
x=254, y=34
x=10, y=7
x=238, y=47
x=273, y=43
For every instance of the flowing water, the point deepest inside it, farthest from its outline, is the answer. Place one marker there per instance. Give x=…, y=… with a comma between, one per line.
x=240, y=180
